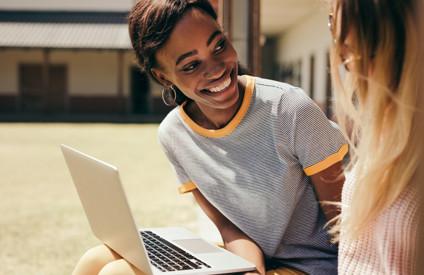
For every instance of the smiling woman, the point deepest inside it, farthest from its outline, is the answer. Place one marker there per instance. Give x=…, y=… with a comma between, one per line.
x=181, y=66
x=257, y=155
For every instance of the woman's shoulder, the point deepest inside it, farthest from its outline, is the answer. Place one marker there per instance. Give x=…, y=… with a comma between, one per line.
x=279, y=90
x=278, y=87
x=169, y=124
x=288, y=98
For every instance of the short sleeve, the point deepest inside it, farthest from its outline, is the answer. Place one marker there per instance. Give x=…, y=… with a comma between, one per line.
x=184, y=182
x=317, y=142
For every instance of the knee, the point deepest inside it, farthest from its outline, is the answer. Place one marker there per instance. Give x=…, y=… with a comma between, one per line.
x=94, y=260
x=111, y=268
x=99, y=255
x=118, y=267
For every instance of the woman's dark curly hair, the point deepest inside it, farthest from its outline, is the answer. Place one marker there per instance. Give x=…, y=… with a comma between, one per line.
x=151, y=22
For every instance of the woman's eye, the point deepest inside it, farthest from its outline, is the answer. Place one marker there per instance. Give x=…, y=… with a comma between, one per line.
x=220, y=46
x=191, y=67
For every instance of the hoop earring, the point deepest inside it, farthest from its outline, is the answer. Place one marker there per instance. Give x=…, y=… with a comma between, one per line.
x=169, y=96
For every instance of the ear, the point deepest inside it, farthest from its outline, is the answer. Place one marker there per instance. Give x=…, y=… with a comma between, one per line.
x=161, y=77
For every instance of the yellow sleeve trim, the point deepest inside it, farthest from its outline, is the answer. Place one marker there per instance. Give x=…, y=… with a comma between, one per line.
x=187, y=187
x=333, y=159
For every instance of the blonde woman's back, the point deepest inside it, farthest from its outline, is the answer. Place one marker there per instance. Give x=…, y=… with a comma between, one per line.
x=376, y=41
x=388, y=244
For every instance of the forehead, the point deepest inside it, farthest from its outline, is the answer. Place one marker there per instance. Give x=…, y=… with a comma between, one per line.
x=190, y=33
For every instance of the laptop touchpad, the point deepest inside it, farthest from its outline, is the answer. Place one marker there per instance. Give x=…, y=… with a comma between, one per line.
x=197, y=246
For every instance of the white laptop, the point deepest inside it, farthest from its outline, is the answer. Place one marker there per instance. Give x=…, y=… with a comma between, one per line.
x=154, y=251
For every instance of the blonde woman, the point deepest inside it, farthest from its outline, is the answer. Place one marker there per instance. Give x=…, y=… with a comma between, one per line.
x=375, y=43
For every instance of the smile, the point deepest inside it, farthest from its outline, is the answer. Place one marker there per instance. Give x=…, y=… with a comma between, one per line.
x=224, y=85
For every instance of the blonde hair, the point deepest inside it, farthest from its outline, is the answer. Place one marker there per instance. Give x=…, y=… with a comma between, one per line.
x=376, y=103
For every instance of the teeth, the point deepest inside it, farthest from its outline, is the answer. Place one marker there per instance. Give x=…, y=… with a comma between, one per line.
x=221, y=87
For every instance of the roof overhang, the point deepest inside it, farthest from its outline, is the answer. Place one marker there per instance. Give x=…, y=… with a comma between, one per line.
x=64, y=30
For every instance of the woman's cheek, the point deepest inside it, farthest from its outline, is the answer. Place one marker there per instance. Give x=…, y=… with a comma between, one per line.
x=231, y=52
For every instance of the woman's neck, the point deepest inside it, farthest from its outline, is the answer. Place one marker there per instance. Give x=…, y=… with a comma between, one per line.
x=210, y=118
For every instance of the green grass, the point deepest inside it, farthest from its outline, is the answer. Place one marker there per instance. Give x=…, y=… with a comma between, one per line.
x=43, y=229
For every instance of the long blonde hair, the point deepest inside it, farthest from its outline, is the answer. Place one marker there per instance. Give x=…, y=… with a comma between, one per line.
x=376, y=102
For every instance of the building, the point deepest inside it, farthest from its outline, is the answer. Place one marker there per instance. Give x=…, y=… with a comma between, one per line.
x=297, y=45
x=71, y=64
x=73, y=60
x=284, y=40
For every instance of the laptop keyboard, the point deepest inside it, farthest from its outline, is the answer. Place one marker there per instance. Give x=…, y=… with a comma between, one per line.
x=165, y=256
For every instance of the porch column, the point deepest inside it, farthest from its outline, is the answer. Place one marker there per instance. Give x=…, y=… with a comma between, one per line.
x=225, y=16
x=123, y=107
x=46, y=79
x=254, y=37
x=241, y=20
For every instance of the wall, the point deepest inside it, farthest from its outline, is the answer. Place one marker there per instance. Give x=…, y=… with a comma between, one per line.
x=92, y=79
x=9, y=68
x=308, y=37
x=89, y=73
x=239, y=30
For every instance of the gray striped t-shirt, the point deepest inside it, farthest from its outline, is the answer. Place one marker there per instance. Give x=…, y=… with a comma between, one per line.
x=255, y=170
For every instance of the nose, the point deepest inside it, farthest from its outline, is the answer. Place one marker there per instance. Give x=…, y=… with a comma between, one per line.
x=215, y=70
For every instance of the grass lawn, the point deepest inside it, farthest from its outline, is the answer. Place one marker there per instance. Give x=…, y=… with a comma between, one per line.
x=43, y=229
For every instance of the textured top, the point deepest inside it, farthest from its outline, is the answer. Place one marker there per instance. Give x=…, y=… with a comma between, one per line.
x=388, y=245
x=254, y=170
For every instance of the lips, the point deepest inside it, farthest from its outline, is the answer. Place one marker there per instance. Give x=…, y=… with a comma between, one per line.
x=222, y=86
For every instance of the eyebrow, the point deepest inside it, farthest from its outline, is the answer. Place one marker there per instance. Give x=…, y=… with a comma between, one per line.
x=184, y=56
x=188, y=54
x=212, y=37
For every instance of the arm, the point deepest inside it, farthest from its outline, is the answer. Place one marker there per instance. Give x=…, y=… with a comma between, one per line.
x=328, y=186
x=234, y=239
x=319, y=147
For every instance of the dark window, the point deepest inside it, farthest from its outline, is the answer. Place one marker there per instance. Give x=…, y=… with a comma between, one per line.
x=41, y=89
x=31, y=87
x=140, y=92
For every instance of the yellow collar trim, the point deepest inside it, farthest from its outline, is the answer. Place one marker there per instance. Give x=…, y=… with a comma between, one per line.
x=230, y=127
